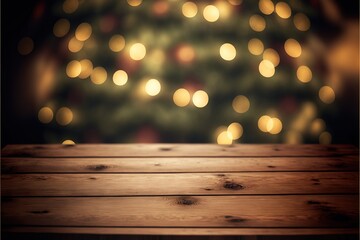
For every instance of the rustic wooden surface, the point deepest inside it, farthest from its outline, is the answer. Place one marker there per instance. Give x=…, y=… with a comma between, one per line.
x=180, y=189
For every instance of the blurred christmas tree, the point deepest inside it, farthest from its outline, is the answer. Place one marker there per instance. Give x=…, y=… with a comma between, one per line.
x=182, y=71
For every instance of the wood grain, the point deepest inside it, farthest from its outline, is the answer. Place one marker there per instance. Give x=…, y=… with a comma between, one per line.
x=178, y=184
x=176, y=150
x=177, y=164
x=178, y=211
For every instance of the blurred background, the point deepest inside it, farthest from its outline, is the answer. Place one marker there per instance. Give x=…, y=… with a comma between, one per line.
x=231, y=71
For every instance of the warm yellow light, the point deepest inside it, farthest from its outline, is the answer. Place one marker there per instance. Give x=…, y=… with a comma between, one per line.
x=73, y=69
x=266, y=68
x=274, y=126
x=83, y=31
x=257, y=23
x=266, y=7
x=283, y=10
x=153, y=87
x=262, y=123
x=134, y=3
x=327, y=94
x=211, y=13
x=45, y=115
x=235, y=2
x=189, y=9
x=227, y=51
x=68, y=142
x=236, y=130
x=301, y=22
x=293, y=137
x=61, y=27
x=255, y=46
x=75, y=45
x=64, y=116
x=86, y=68
x=116, y=43
x=70, y=6
x=304, y=74
x=98, y=75
x=200, y=99
x=185, y=54
x=120, y=77
x=241, y=104
x=25, y=46
x=325, y=138
x=292, y=48
x=317, y=126
x=224, y=138
x=181, y=97
x=271, y=55
x=137, y=51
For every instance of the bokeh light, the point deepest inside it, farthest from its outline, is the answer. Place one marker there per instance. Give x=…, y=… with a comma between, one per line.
x=120, y=77
x=45, y=115
x=292, y=48
x=200, y=99
x=272, y=56
x=137, y=51
x=266, y=7
x=75, y=45
x=266, y=68
x=235, y=130
x=134, y=3
x=73, y=69
x=283, y=10
x=70, y=6
x=98, y=75
x=83, y=31
x=117, y=43
x=235, y=2
x=25, y=46
x=211, y=13
x=274, y=126
x=86, y=68
x=61, y=27
x=185, y=54
x=255, y=46
x=241, y=104
x=181, y=97
x=301, y=22
x=327, y=94
x=68, y=142
x=317, y=126
x=64, y=116
x=153, y=87
x=304, y=74
x=262, y=122
x=224, y=138
x=325, y=138
x=189, y=9
x=227, y=51
x=257, y=23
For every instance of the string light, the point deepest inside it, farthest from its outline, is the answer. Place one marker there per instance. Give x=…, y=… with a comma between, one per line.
x=45, y=115
x=153, y=87
x=266, y=68
x=292, y=48
x=211, y=13
x=83, y=32
x=70, y=6
x=272, y=56
x=120, y=77
x=185, y=54
x=327, y=94
x=116, y=43
x=301, y=22
x=266, y=7
x=64, y=116
x=98, y=75
x=262, y=123
x=181, y=97
x=73, y=69
x=61, y=27
x=325, y=138
x=304, y=74
x=227, y=51
x=189, y=9
x=134, y=3
x=137, y=51
x=317, y=126
x=86, y=68
x=274, y=126
x=283, y=10
x=257, y=23
x=68, y=142
x=25, y=46
x=75, y=45
x=241, y=104
x=224, y=138
x=255, y=46
x=200, y=99
x=235, y=130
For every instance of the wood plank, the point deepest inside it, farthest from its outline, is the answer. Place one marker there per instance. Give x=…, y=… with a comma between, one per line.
x=176, y=164
x=185, y=231
x=178, y=184
x=176, y=150
x=316, y=211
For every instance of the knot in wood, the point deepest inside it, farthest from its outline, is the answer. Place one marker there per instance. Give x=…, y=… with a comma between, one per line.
x=233, y=185
x=186, y=201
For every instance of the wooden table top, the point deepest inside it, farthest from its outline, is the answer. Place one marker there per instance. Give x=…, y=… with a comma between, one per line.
x=180, y=189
